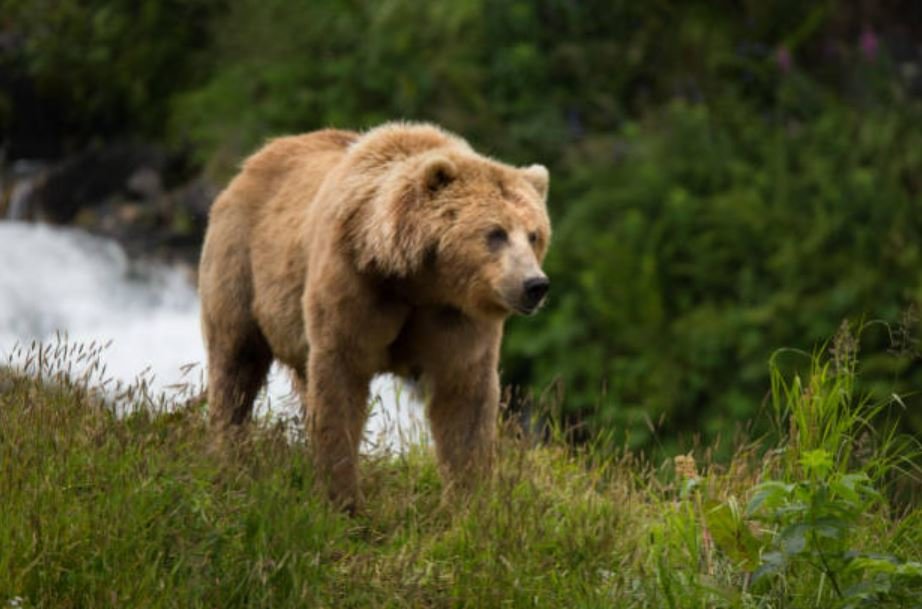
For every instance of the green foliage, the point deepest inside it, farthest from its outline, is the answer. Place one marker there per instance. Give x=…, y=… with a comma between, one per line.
x=108, y=66
x=714, y=236
x=822, y=419
x=814, y=518
x=804, y=534
x=814, y=525
x=832, y=458
x=281, y=67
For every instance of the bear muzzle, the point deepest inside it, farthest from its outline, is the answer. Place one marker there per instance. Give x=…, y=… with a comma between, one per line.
x=534, y=289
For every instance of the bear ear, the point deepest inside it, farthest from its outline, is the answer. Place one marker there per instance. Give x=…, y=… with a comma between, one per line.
x=437, y=173
x=538, y=177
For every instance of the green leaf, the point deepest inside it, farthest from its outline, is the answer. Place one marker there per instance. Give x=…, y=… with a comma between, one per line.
x=733, y=536
x=771, y=494
x=793, y=539
x=772, y=564
x=816, y=463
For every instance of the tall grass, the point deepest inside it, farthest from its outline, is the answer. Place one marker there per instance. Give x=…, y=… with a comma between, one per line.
x=109, y=499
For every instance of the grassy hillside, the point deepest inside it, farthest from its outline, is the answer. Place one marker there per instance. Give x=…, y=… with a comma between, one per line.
x=133, y=511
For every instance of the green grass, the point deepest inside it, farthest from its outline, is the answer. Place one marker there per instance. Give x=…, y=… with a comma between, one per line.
x=101, y=510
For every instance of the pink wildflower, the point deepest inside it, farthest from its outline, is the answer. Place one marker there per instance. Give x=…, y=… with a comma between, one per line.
x=783, y=59
x=869, y=44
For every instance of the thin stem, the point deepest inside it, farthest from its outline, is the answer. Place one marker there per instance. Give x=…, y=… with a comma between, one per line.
x=819, y=550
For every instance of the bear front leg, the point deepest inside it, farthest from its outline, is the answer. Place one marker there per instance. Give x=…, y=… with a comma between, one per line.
x=463, y=417
x=337, y=397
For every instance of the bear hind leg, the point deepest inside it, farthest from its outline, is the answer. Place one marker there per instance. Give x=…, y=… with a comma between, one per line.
x=237, y=368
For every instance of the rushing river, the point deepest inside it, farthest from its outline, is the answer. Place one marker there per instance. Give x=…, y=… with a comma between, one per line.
x=55, y=280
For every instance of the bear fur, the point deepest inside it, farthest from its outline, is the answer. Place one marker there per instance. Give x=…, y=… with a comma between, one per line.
x=344, y=255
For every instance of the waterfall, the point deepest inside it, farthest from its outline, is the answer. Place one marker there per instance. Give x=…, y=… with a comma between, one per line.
x=65, y=280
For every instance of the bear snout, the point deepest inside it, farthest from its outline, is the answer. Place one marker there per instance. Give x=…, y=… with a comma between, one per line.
x=534, y=289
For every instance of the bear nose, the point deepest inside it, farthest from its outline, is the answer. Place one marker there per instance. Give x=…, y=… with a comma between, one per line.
x=535, y=289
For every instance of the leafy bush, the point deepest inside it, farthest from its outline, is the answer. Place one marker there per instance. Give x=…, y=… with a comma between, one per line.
x=833, y=462
x=708, y=236
x=105, y=67
x=282, y=67
x=804, y=536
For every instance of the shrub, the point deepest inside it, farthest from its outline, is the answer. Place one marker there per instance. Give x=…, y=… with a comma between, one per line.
x=104, y=68
x=709, y=235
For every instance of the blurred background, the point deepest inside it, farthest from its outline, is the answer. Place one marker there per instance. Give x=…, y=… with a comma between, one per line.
x=728, y=177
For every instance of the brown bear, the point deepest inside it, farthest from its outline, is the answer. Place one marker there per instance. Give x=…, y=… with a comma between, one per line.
x=343, y=255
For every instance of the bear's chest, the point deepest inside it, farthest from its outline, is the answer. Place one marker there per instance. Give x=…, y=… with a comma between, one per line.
x=426, y=338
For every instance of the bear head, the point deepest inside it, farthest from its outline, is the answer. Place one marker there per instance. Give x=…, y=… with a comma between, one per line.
x=468, y=231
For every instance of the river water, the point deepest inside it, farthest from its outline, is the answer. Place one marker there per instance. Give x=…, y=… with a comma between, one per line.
x=63, y=280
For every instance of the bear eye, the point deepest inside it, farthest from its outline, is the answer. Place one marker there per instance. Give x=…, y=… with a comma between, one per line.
x=497, y=237
x=533, y=237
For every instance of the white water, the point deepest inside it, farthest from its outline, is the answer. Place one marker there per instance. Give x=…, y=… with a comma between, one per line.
x=64, y=280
